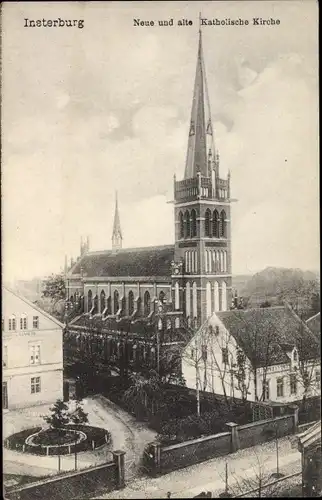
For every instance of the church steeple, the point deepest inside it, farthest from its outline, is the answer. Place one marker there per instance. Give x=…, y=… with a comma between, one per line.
x=117, y=233
x=200, y=132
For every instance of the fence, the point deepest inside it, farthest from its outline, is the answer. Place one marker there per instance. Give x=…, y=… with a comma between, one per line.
x=94, y=481
x=160, y=460
x=273, y=487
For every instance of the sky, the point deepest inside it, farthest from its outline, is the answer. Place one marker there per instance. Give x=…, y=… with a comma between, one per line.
x=86, y=112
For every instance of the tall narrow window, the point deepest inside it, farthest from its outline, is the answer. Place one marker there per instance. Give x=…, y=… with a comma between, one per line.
x=223, y=296
x=265, y=390
x=162, y=297
x=194, y=299
x=187, y=223
x=196, y=262
x=109, y=305
x=193, y=223
x=225, y=261
x=215, y=224
x=34, y=352
x=177, y=323
x=176, y=296
x=223, y=224
x=35, y=322
x=318, y=379
x=181, y=225
x=147, y=304
x=280, y=387
x=12, y=323
x=293, y=384
x=116, y=301
x=102, y=301
x=208, y=300
x=207, y=223
x=89, y=300
x=188, y=311
x=131, y=302
x=186, y=261
x=221, y=261
x=23, y=322
x=224, y=352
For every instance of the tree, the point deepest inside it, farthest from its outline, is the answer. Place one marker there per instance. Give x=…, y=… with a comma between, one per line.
x=79, y=416
x=55, y=288
x=59, y=415
x=142, y=391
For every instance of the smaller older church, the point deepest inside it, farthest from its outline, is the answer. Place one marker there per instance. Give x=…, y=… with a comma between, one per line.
x=191, y=278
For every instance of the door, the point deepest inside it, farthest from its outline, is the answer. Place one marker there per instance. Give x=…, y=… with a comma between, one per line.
x=4, y=396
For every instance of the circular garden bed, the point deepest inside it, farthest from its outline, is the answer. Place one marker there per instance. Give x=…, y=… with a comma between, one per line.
x=71, y=438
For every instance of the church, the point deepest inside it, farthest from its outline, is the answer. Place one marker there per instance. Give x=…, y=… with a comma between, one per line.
x=172, y=286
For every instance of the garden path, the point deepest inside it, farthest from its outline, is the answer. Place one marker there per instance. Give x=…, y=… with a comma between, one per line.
x=127, y=435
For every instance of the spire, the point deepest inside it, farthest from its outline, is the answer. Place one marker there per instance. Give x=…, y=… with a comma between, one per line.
x=200, y=123
x=117, y=233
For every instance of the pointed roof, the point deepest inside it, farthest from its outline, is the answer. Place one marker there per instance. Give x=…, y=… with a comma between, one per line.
x=117, y=224
x=200, y=123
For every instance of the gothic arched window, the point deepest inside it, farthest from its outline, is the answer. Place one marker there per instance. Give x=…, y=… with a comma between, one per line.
x=131, y=302
x=223, y=224
x=147, y=304
x=116, y=301
x=162, y=297
x=193, y=223
x=109, y=305
x=181, y=225
x=215, y=224
x=89, y=300
x=207, y=223
x=102, y=300
x=187, y=223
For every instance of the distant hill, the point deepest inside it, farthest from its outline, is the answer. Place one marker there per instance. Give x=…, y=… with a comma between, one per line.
x=276, y=284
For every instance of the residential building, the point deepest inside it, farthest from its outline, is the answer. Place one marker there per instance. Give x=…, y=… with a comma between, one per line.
x=32, y=359
x=263, y=354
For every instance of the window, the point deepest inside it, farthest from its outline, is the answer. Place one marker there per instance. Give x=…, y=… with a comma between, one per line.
x=102, y=301
x=89, y=301
x=216, y=330
x=318, y=378
x=147, y=304
x=187, y=224
x=35, y=322
x=215, y=224
x=5, y=356
x=131, y=302
x=181, y=222
x=280, y=387
x=207, y=223
x=12, y=323
x=223, y=224
x=35, y=385
x=265, y=390
x=192, y=353
x=116, y=301
x=293, y=383
x=34, y=351
x=23, y=322
x=224, y=351
x=193, y=223
x=295, y=355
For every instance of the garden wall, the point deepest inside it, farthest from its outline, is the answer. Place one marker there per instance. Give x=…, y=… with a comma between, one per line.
x=94, y=481
x=264, y=430
x=191, y=452
x=160, y=459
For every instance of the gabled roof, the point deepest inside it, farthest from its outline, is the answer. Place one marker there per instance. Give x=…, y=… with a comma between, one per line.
x=310, y=437
x=127, y=262
x=268, y=335
x=34, y=306
x=314, y=324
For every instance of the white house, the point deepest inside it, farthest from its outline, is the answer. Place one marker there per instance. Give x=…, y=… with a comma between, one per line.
x=32, y=354
x=264, y=354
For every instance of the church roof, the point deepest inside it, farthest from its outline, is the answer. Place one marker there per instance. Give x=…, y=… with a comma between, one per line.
x=266, y=335
x=200, y=123
x=127, y=262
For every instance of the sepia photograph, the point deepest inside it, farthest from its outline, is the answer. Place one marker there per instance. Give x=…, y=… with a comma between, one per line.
x=161, y=329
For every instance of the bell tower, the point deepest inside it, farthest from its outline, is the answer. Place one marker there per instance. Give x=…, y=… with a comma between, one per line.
x=202, y=217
